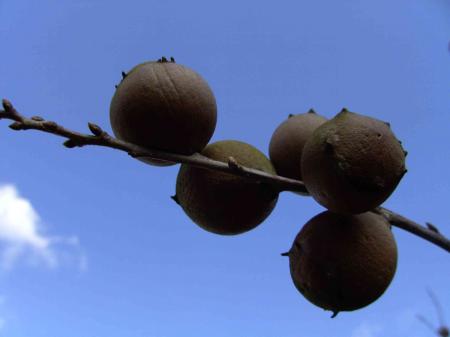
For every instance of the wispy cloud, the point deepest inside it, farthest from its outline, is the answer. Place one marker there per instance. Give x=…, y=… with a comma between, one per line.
x=2, y=314
x=367, y=330
x=21, y=235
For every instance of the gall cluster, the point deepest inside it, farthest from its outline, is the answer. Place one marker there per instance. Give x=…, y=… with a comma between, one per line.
x=342, y=259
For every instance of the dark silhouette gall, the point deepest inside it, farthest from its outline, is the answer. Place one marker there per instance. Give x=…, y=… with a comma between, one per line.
x=352, y=163
x=343, y=262
x=164, y=106
x=224, y=203
x=288, y=140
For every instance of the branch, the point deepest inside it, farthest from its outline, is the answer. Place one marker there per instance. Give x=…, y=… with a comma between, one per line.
x=429, y=234
x=102, y=138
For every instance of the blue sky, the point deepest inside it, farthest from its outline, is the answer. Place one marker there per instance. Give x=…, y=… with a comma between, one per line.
x=97, y=247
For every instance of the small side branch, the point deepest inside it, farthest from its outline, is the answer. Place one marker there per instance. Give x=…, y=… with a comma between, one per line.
x=101, y=138
x=430, y=234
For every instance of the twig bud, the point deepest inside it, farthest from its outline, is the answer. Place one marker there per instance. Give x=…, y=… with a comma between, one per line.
x=95, y=129
x=7, y=105
x=16, y=126
x=70, y=144
x=49, y=125
x=233, y=164
x=432, y=227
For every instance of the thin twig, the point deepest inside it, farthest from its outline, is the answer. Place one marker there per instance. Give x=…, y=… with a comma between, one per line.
x=413, y=227
x=442, y=330
x=101, y=138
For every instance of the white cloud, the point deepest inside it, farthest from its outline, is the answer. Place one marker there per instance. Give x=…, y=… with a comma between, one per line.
x=367, y=330
x=21, y=235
